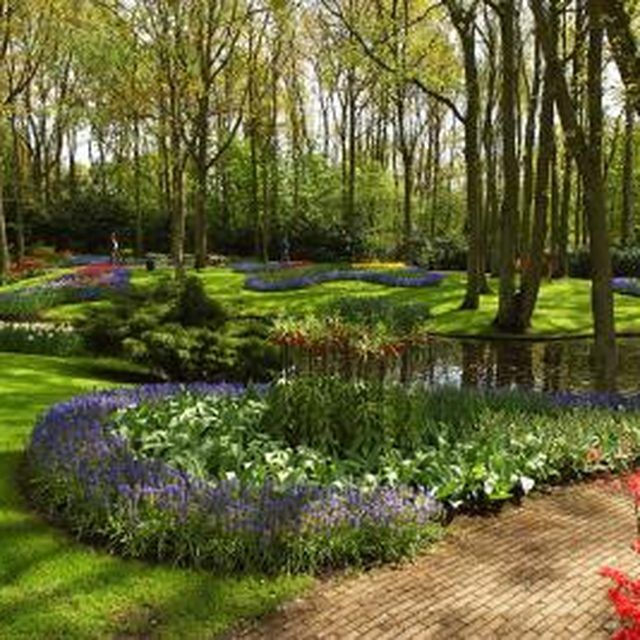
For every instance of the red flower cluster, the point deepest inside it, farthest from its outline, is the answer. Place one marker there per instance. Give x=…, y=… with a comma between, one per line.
x=27, y=266
x=625, y=595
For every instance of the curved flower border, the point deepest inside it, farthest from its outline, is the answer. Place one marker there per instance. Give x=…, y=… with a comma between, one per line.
x=87, y=476
x=410, y=277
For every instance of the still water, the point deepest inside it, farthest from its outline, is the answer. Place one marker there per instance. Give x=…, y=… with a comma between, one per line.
x=548, y=365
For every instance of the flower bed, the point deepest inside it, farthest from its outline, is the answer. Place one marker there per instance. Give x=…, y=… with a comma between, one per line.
x=83, y=284
x=86, y=473
x=251, y=266
x=626, y=286
x=353, y=335
x=39, y=337
x=409, y=277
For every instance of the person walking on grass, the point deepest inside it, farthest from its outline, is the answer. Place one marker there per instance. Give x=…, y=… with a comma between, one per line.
x=115, y=250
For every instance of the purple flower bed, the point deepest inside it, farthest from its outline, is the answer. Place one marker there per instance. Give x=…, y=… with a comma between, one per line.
x=88, y=283
x=89, y=478
x=85, y=259
x=626, y=286
x=597, y=400
x=410, y=277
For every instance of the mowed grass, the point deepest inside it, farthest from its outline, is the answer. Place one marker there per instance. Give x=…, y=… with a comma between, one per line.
x=54, y=587
x=564, y=306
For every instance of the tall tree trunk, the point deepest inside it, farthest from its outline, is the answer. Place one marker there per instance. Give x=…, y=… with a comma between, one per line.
x=464, y=22
x=627, y=231
x=506, y=319
x=601, y=295
x=137, y=178
x=588, y=153
x=5, y=260
x=529, y=144
x=350, y=212
x=17, y=189
x=532, y=276
x=201, y=189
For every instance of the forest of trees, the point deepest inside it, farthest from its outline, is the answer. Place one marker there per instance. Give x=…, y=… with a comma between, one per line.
x=349, y=127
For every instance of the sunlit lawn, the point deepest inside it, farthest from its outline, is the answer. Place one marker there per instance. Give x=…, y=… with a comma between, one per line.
x=54, y=587
x=564, y=306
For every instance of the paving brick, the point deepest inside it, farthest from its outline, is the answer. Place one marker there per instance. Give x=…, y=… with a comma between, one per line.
x=531, y=572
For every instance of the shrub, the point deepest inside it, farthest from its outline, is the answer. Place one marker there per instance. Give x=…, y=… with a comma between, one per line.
x=181, y=334
x=625, y=263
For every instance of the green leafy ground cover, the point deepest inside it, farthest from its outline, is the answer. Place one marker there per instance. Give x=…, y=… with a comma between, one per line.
x=53, y=587
x=564, y=307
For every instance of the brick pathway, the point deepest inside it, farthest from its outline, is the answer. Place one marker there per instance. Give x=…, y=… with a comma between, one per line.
x=531, y=572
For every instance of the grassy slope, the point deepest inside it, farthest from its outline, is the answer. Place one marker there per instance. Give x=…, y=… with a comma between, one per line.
x=563, y=308
x=53, y=587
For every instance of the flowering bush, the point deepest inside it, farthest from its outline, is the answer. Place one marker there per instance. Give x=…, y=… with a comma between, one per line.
x=409, y=277
x=88, y=474
x=42, y=338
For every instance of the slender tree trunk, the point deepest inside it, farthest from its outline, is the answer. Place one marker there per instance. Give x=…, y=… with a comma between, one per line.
x=507, y=312
x=628, y=203
x=17, y=189
x=532, y=276
x=464, y=22
x=588, y=153
x=5, y=259
x=601, y=295
x=529, y=144
x=137, y=178
x=201, y=189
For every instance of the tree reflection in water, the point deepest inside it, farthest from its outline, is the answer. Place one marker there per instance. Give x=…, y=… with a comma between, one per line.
x=544, y=365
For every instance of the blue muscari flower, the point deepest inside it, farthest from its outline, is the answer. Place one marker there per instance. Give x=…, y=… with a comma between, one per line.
x=73, y=439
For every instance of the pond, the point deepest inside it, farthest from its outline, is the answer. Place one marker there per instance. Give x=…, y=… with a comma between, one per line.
x=541, y=365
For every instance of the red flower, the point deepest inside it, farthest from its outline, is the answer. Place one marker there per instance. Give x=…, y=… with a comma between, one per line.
x=632, y=633
x=633, y=484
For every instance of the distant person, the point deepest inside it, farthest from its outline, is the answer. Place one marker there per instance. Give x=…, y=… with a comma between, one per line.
x=285, y=250
x=115, y=249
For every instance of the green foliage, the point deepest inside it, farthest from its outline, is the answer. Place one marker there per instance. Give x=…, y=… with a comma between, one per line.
x=193, y=308
x=467, y=446
x=180, y=333
x=625, y=263
x=372, y=312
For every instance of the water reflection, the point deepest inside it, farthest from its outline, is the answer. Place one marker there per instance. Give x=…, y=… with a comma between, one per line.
x=554, y=365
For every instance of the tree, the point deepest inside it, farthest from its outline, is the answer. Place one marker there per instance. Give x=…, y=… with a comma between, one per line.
x=587, y=147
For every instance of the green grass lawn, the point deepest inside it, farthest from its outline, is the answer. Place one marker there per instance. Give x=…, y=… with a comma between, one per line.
x=564, y=306
x=53, y=587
